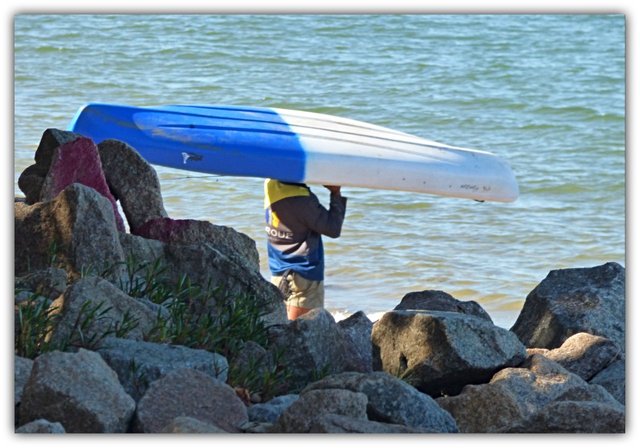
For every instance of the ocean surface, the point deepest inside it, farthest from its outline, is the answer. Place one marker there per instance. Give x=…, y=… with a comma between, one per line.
x=545, y=92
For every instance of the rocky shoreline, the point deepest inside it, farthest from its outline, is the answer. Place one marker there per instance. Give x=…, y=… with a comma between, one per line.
x=150, y=324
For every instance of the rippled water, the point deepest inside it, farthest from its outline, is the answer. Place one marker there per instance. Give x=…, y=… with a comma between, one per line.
x=546, y=92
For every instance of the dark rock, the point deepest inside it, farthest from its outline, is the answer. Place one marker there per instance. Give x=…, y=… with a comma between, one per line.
x=585, y=354
x=356, y=332
x=189, y=393
x=32, y=178
x=235, y=245
x=430, y=300
x=340, y=424
x=571, y=301
x=78, y=161
x=515, y=396
x=300, y=416
x=63, y=387
x=139, y=363
x=41, y=426
x=21, y=371
x=613, y=380
x=270, y=411
x=49, y=282
x=133, y=182
x=390, y=400
x=76, y=232
x=112, y=308
x=441, y=352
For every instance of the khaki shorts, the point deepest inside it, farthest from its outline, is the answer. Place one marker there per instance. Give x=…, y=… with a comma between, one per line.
x=303, y=293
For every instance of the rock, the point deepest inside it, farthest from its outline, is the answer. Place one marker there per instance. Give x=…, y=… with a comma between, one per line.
x=235, y=245
x=575, y=417
x=92, y=309
x=76, y=232
x=613, y=380
x=390, y=400
x=515, y=396
x=63, y=388
x=31, y=179
x=139, y=363
x=189, y=393
x=41, y=426
x=430, y=300
x=49, y=282
x=310, y=346
x=270, y=411
x=301, y=415
x=337, y=424
x=441, y=352
x=78, y=161
x=190, y=425
x=585, y=354
x=21, y=372
x=356, y=333
x=133, y=181
x=570, y=301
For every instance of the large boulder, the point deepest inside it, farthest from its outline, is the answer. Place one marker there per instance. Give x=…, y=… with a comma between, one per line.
x=78, y=161
x=570, y=301
x=79, y=391
x=515, y=398
x=76, y=232
x=441, y=352
x=140, y=363
x=390, y=400
x=133, y=182
x=189, y=393
x=430, y=300
x=92, y=309
x=356, y=334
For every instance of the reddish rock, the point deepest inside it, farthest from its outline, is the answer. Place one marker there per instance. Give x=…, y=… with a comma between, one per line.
x=78, y=161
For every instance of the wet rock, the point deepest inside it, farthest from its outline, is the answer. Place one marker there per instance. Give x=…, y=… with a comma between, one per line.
x=133, y=182
x=430, y=300
x=391, y=400
x=140, y=363
x=78, y=161
x=441, y=352
x=301, y=415
x=62, y=388
x=570, y=301
x=76, y=232
x=189, y=393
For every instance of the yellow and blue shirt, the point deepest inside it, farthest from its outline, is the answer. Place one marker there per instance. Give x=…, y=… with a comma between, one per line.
x=296, y=222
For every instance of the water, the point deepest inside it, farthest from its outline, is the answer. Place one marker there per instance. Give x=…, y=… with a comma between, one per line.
x=545, y=92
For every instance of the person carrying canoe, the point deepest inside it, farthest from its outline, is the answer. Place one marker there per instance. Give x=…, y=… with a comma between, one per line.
x=296, y=222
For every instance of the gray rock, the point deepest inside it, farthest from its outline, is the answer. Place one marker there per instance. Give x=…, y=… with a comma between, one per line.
x=390, y=400
x=613, y=380
x=570, y=301
x=310, y=346
x=31, y=179
x=190, y=425
x=301, y=415
x=515, y=396
x=430, y=300
x=356, y=332
x=21, y=372
x=63, y=387
x=113, y=309
x=340, y=424
x=41, y=426
x=441, y=352
x=49, y=282
x=575, y=417
x=133, y=181
x=139, y=363
x=189, y=393
x=270, y=411
x=78, y=227
x=585, y=354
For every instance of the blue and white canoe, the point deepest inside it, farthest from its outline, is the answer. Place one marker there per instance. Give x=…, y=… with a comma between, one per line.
x=297, y=146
